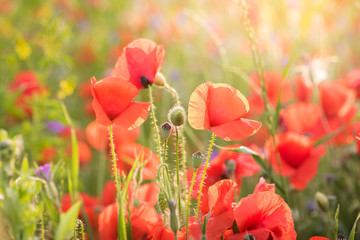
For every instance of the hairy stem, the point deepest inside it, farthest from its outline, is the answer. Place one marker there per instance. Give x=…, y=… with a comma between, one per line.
x=204, y=174
x=121, y=222
x=188, y=202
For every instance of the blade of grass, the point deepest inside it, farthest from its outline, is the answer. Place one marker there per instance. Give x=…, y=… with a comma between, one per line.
x=74, y=164
x=352, y=233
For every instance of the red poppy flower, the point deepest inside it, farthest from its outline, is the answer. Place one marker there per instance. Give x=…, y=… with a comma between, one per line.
x=352, y=80
x=319, y=238
x=147, y=193
x=220, y=108
x=27, y=85
x=90, y=204
x=98, y=136
x=303, y=89
x=265, y=215
x=165, y=233
x=336, y=100
x=139, y=62
x=298, y=158
x=221, y=198
x=301, y=117
x=273, y=85
x=263, y=186
x=143, y=220
x=113, y=103
x=243, y=164
x=48, y=155
x=127, y=153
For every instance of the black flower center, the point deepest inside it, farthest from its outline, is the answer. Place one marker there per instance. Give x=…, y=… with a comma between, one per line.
x=145, y=81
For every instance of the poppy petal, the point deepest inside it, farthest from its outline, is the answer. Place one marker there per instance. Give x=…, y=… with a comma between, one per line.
x=197, y=112
x=101, y=116
x=307, y=171
x=141, y=57
x=225, y=104
x=134, y=115
x=301, y=117
x=216, y=226
x=236, y=130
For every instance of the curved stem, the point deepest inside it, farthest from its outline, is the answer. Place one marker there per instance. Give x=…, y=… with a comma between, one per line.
x=121, y=223
x=154, y=121
x=188, y=202
x=203, y=177
x=178, y=172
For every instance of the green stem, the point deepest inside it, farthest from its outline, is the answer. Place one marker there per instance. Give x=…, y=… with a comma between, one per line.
x=121, y=223
x=154, y=121
x=188, y=202
x=178, y=172
x=203, y=177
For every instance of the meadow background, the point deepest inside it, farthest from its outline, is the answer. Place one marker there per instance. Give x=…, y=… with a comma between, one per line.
x=67, y=42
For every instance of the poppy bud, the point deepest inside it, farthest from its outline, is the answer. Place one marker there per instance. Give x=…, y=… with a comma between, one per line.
x=166, y=130
x=160, y=79
x=249, y=237
x=177, y=116
x=197, y=159
x=173, y=218
x=322, y=201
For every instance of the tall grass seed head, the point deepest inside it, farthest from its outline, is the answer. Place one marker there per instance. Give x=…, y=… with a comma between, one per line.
x=177, y=116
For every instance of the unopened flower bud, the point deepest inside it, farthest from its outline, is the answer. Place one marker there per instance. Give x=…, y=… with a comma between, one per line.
x=160, y=79
x=177, y=116
x=197, y=159
x=173, y=218
x=322, y=201
x=166, y=130
x=249, y=237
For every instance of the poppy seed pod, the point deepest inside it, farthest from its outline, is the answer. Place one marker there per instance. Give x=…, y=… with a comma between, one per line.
x=160, y=79
x=166, y=130
x=177, y=116
x=197, y=159
x=322, y=201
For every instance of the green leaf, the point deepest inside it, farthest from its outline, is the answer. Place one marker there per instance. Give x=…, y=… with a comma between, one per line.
x=25, y=165
x=337, y=221
x=352, y=233
x=74, y=166
x=67, y=222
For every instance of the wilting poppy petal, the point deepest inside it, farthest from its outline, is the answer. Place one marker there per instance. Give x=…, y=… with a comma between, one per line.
x=142, y=57
x=134, y=115
x=236, y=130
